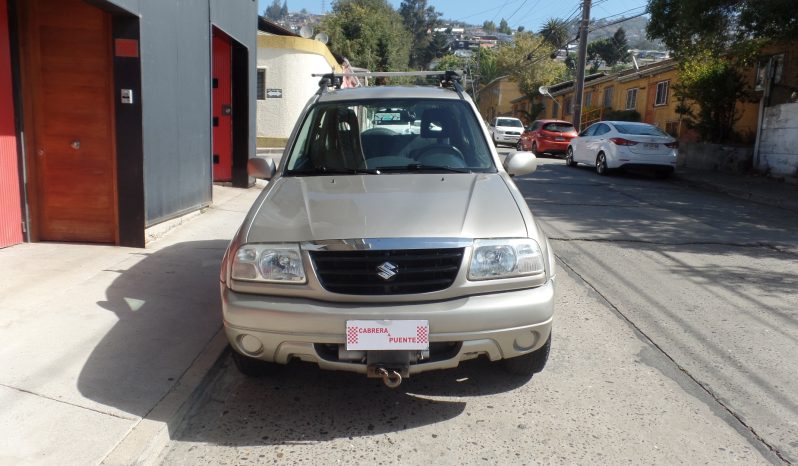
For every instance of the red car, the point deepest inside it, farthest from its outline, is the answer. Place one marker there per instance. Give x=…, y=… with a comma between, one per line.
x=547, y=136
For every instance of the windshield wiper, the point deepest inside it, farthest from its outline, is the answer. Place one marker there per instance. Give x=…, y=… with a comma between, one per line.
x=420, y=167
x=323, y=171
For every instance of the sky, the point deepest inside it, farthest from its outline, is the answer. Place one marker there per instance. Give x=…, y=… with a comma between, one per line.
x=528, y=13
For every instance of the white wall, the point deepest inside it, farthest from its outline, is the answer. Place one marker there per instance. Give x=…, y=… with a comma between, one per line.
x=778, y=147
x=289, y=70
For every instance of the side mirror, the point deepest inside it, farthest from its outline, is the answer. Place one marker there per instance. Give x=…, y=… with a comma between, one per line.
x=520, y=163
x=262, y=168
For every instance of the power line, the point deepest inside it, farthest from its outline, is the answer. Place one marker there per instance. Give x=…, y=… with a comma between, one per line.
x=484, y=11
x=516, y=11
x=500, y=10
x=618, y=21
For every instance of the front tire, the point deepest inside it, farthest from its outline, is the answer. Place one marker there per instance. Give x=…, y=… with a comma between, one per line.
x=252, y=367
x=601, y=164
x=569, y=157
x=531, y=363
x=519, y=147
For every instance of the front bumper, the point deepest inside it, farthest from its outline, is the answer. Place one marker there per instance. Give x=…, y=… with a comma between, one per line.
x=508, y=138
x=498, y=325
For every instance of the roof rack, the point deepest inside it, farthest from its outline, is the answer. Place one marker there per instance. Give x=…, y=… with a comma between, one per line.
x=448, y=78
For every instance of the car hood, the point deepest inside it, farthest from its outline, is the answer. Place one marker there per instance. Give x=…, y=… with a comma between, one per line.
x=386, y=206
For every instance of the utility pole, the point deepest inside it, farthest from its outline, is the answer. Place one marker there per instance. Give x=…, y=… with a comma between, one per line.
x=581, y=60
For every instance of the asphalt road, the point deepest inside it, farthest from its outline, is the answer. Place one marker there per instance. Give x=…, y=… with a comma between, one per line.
x=675, y=342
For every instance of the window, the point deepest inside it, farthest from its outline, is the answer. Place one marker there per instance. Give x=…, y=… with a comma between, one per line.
x=601, y=129
x=631, y=99
x=341, y=135
x=607, y=97
x=588, y=100
x=672, y=128
x=589, y=131
x=567, y=106
x=555, y=109
x=261, y=83
x=662, y=93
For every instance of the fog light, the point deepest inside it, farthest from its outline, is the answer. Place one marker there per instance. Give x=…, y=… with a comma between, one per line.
x=250, y=344
x=525, y=341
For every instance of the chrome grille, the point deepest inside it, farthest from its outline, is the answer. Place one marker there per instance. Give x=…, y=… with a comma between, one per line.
x=362, y=272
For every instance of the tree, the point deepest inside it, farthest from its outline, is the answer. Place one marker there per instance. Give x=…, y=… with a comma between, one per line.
x=527, y=61
x=520, y=29
x=489, y=26
x=555, y=32
x=420, y=20
x=611, y=51
x=620, y=48
x=437, y=47
x=284, y=9
x=369, y=33
x=708, y=91
x=689, y=28
x=274, y=11
x=504, y=28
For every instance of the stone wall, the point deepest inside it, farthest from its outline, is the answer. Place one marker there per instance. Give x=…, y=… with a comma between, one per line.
x=778, y=146
x=717, y=157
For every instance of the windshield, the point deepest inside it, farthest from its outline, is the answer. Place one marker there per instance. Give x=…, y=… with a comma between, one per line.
x=351, y=137
x=640, y=130
x=509, y=122
x=561, y=127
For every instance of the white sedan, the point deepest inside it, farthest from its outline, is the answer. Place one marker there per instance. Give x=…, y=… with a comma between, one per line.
x=609, y=145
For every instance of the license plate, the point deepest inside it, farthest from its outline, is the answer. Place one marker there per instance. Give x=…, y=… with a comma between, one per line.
x=559, y=138
x=387, y=334
x=649, y=145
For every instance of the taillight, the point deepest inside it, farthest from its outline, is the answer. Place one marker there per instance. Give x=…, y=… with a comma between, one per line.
x=672, y=145
x=623, y=142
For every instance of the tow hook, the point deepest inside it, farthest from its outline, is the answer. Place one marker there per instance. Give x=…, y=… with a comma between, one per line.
x=390, y=378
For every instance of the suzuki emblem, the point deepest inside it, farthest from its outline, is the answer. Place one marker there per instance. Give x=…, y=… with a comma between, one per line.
x=387, y=270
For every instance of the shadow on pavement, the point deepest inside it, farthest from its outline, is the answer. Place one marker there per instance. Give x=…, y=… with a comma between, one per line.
x=168, y=308
x=304, y=404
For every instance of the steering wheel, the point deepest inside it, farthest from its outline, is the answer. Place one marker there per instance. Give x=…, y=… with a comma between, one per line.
x=441, y=149
x=377, y=131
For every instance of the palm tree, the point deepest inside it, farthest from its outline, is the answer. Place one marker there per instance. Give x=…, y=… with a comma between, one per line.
x=556, y=32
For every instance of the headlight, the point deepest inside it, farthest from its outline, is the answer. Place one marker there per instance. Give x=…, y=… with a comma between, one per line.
x=505, y=258
x=276, y=263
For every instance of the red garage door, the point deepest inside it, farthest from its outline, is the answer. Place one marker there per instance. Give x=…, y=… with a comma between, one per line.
x=10, y=206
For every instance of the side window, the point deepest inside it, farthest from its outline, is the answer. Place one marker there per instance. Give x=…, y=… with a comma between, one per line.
x=601, y=129
x=589, y=131
x=535, y=126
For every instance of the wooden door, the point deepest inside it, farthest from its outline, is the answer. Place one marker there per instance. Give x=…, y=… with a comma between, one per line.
x=68, y=93
x=222, y=107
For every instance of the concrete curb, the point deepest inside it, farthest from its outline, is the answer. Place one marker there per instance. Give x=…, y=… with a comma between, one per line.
x=736, y=193
x=144, y=442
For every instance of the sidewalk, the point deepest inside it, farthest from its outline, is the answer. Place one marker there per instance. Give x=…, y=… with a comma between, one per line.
x=756, y=188
x=102, y=345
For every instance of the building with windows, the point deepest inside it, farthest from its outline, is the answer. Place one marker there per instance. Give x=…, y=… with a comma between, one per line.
x=285, y=82
x=120, y=114
x=646, y=93
x=496, y=98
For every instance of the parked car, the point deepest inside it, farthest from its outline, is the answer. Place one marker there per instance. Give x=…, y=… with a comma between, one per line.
x=389, y=254
x=610, y=145
x=506, y=130
x=547, y=136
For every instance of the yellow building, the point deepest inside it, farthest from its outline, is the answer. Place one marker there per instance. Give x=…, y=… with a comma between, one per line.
x=495, y=98
x=647, y=91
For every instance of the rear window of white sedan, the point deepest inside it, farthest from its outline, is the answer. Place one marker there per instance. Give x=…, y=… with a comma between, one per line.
x=641, y=130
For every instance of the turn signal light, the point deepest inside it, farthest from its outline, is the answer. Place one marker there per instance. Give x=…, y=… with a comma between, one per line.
x=623, y=142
